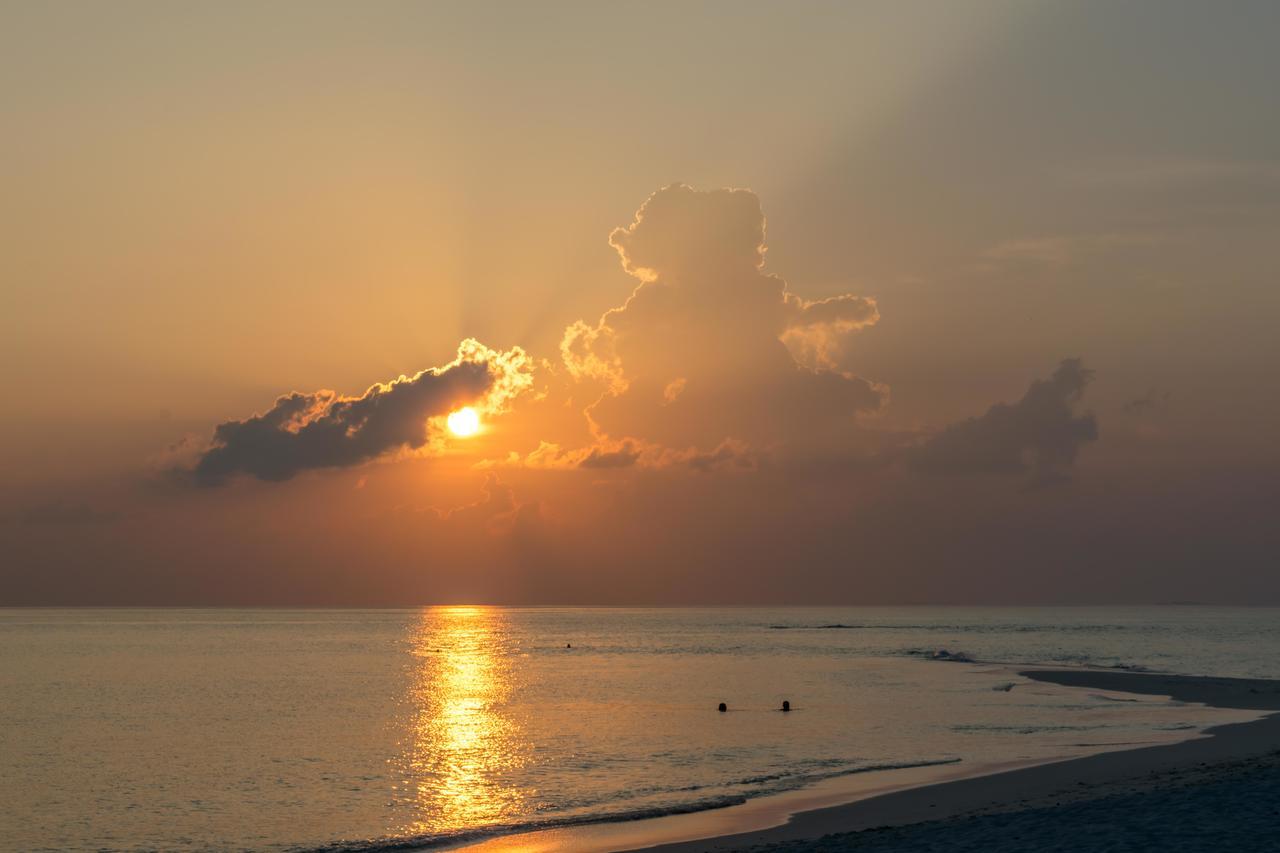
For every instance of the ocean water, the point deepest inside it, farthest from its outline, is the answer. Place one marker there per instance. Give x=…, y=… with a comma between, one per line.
x=169, y=729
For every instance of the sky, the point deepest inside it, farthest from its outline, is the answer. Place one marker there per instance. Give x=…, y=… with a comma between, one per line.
x=862, y=303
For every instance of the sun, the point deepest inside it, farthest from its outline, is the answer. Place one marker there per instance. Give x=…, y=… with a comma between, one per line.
x=464, y=422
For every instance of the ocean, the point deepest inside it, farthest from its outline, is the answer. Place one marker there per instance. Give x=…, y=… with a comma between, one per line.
x=292, y=730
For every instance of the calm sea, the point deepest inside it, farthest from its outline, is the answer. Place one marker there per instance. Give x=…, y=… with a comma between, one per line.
x=303, y=729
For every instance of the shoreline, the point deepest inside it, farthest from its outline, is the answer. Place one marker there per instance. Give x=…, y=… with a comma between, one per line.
x=919, y=796
x=1052, y=784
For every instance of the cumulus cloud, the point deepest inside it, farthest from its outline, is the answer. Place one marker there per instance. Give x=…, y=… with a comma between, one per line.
x=1041, y=433
x=816, y=331
x=325, y=430
x=710, y=347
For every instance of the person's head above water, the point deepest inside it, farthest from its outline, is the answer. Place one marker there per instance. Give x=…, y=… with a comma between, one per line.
x=786, y=706
x=723, y=707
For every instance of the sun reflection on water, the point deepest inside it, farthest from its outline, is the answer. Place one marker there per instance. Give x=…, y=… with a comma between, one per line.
x=464, y=747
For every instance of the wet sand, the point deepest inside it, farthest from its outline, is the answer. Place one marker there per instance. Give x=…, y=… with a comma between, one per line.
x=1216, y=792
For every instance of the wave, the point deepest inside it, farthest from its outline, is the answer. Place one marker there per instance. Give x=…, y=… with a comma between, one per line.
x=1064, y=660
x=782, y=782
x=972, y=628
x=977, y=728
x=943, y=655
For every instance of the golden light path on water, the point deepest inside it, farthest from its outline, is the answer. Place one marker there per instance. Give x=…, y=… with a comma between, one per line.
x=464, y=747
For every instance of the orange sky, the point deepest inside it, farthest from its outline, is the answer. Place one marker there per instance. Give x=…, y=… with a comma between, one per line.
x=987, y=319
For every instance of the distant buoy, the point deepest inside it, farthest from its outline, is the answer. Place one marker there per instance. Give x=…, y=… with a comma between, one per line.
x=786, y=706
x=723, y=707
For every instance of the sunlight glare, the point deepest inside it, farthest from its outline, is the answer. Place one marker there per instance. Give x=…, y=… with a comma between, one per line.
x=462, y=746
x=464, y=422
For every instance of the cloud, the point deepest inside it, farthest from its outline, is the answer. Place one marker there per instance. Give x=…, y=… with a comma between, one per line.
x=624, y=456
x=632, y=453
x=730, y=454
x=1041, y=433
x=708, y=346
x=1160, y=173
x=497, y=512
x=326, y=430
x=1064, y=250
x=816, y=331
x=549, y=456
x=1187, y=191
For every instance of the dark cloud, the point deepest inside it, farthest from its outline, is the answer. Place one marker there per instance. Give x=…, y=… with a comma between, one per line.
x=708, y=347
x=325, y=430
x=1040, y=433
x=730, y=454
x=626, y=455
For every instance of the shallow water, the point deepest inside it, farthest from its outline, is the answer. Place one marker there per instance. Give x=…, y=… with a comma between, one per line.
x=297, y=729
